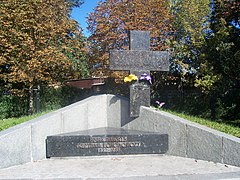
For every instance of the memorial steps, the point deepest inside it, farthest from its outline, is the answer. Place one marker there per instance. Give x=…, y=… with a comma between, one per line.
x=122, y=167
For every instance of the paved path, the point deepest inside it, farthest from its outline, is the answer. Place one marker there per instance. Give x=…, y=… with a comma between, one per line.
x=136, y=167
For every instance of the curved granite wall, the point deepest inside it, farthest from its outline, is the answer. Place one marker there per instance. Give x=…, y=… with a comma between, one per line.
x=26, y=142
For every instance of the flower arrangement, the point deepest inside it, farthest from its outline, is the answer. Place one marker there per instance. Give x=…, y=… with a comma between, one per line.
x=130, y=78
x=146, y=77
x=143, y=78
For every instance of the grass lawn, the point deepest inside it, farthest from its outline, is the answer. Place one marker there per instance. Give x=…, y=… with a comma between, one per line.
x=7, y=123
x=220, y=126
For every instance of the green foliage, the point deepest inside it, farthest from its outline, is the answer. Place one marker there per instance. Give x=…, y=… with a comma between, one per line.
x=76, y=52
x=189, y=102
x=220, y=58
x=220, y=62
x=57, y=97
x=190, y=24
x=40, y=43
x=54, y=98
x=51, y=98
x=206, y=83
x=206, y=51
x=12, y=106
x=229, y=10
x=193, y=101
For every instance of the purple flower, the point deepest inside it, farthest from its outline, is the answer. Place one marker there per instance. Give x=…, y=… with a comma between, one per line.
x=160, y=104
x=146, y=77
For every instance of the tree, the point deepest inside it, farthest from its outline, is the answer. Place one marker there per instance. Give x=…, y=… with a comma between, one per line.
x=229, y=10
x=190, y=24
x=220, y=66
x=38, y=42
x=112, y=19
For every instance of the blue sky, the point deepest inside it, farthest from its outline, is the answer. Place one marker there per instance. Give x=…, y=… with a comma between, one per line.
x=80, y=14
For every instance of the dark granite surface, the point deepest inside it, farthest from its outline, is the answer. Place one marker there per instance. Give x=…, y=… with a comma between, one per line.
x=106, y=141
x=138, y=60
x=139, y=40
x=139, y=96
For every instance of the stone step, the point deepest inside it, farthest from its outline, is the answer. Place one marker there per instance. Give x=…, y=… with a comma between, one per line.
x=106, y=141
x=122, y=167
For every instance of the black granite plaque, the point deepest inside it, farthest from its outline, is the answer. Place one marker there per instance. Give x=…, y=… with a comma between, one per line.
x=106, y=141
x=138, y=60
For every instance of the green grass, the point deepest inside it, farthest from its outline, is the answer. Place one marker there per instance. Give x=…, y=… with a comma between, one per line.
x=7, y=123
x=220, y=126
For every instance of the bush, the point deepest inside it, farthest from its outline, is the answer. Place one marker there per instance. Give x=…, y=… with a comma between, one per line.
x=50, y=98
x=12, y=106
x=55, y=98
x=222, y=107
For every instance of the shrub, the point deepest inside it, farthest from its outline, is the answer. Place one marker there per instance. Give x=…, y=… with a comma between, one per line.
x=12, y=106
x=50, y=98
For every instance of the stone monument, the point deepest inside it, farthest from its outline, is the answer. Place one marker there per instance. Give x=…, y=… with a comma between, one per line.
x=110, y=141
x=139, y=60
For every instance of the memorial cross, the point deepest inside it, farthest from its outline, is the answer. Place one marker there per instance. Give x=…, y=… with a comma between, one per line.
x=138, y=60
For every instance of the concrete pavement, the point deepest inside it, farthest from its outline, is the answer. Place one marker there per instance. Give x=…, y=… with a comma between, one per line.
x=123, y=167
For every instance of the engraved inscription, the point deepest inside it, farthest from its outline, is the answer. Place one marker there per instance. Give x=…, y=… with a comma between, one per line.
x=108, y=139
x=108, y=144
x=102, y=150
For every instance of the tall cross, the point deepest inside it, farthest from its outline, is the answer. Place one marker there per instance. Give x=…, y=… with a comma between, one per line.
x=138, y=60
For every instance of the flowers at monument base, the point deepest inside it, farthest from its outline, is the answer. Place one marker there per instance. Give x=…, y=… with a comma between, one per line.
x=160, y=104
x=146, y=77
x=143, y=78
x=130, y=78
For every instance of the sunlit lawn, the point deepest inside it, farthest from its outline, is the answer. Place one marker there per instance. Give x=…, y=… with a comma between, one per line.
x=6, y=123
